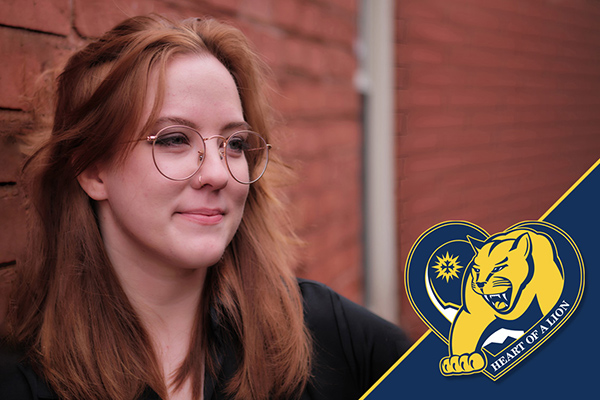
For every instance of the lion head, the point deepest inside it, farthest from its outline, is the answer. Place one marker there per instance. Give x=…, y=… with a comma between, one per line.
x=500, y=270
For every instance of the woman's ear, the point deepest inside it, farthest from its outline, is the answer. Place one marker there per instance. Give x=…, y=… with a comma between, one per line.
x=91, y=182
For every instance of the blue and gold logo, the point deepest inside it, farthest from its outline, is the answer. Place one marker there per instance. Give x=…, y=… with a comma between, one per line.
x=493, y=299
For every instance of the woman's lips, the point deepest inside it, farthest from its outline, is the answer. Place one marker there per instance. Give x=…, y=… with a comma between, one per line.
x=204, y=216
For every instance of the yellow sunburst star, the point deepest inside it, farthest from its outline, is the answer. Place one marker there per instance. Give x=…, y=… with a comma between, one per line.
x=447, y=267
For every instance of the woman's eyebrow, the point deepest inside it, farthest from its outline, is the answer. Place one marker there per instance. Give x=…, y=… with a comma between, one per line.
x=175, y=121
x=242, y=125
x=239, y=125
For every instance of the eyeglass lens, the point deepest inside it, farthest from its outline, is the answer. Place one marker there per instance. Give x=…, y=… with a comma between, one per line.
x=179, y=151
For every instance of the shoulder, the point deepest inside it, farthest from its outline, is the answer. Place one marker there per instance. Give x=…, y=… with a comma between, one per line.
x=353, y=346
x=18, y=381
x=324, y=307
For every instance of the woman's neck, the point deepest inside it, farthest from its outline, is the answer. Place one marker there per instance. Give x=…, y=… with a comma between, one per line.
x=167, y=302
x=165, y=299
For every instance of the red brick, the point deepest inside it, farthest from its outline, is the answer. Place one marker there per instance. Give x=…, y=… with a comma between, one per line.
x=418, y=98
x=416, y=186
x=501, y=79
x=401, y=122
x=30, y=54
x=295, y=52
x=269, y=43
x=347, y=6
x=475, y=16
x=413, y=9
x=418, y=143
x=307, y=57
x=477, y=97
x=338, y=260
x=425, y=204
x=46, y=16
x=401, y=30
x=417, y=164
x=302, y=98
x=583, y=6
x=496, y=40
x=322, y=139
x=472, y=175
x=94, y=17
x=310, y=18
x=556, y=48
x=332, y=171
x=578, y=13
x=470, y=57
x=436, y=32
x=435, y=119
x=339, y=28
x=261, y=10
x=11, y=160
x=211, y=6
x=466, y=139
x=516, y=122
x=419, y=54
x=339, y=63
x=402, y=78
x=285, y=13
x=500, y=116
x=530, y=26
x=438, y=75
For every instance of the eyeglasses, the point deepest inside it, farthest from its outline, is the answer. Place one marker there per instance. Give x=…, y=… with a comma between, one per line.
x=178, y=152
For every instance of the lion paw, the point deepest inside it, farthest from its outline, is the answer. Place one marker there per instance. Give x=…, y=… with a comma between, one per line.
x=462, y=364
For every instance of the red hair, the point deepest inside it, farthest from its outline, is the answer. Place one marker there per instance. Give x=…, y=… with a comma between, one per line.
x=69, y=310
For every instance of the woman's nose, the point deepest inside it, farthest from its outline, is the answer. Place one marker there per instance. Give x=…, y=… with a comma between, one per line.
x=213, y=170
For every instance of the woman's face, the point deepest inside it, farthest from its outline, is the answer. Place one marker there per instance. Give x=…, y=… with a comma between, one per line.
x=147, y=219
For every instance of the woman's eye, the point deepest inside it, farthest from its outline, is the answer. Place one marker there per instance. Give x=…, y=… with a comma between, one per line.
x=172, y=139
x=236, y=145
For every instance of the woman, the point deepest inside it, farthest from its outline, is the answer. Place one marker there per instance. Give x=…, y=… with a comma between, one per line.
x=159, y=263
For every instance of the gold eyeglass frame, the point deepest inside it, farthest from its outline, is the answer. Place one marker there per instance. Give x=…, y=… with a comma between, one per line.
x=222, y=153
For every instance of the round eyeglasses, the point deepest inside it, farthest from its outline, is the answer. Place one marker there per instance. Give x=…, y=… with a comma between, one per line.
x=178, y=152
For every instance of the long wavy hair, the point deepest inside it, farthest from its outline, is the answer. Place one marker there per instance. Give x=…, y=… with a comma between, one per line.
x=69, y=310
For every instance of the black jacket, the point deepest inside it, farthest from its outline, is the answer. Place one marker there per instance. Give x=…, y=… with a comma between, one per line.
x=352, y=349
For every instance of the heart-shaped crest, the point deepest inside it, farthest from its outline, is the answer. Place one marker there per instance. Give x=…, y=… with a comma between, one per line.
x=493, y=299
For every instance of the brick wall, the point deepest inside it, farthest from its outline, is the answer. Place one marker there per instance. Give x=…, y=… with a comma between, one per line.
x=309, y=45
x=497, y=111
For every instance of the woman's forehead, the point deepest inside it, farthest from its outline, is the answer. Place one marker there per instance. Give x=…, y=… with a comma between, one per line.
x=188, y=88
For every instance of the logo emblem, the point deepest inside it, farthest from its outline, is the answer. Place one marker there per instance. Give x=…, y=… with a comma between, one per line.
x=493, y=299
